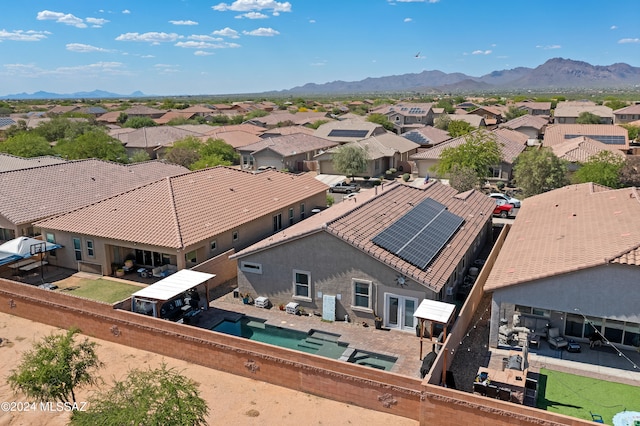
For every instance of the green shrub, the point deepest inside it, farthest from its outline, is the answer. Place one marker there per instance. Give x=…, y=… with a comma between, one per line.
x=500, y=185
x=406, y=177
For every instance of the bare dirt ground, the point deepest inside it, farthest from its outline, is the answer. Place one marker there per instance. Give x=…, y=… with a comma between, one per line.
x=232, y=400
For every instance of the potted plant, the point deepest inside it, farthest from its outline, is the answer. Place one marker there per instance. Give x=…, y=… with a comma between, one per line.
x=378, y=322
x=246, y=298
x=120, y=272
x=281, y=306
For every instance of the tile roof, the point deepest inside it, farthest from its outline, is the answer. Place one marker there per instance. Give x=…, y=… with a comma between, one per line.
x=534, y=121
x=152, y=137
x=198, y=109
x=511, y=143
x=409, y=109
x=290, y=144
x=171, y=115
x=474, y=120
x=374, y=148
x=109, y=117
x=556, y=133
x=299, y=118
x=183, y=210
x=143, y=110
x=566, y=230
x=358, y=221
x=39, y=192
x=11, y=162
x=427, y=135
x=287, y=130
x=571, y=109
x=631, y=109
x=534, y=105
x=350, y=124
x=581, y=149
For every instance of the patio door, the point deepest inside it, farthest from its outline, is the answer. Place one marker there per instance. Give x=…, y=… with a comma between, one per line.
x=398, y=311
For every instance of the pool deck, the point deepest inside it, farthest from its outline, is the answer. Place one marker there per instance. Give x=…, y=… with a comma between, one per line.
x=404, y=346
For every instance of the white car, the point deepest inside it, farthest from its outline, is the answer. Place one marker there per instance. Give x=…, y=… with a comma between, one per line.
x=500, y=196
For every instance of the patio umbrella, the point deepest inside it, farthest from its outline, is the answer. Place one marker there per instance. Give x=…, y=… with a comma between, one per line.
x=22, y=248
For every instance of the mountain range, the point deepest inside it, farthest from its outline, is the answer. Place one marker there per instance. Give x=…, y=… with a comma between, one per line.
x=555, y=74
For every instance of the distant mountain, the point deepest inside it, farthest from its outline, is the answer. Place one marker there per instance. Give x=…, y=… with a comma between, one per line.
x=96, y=94
x=557, y=73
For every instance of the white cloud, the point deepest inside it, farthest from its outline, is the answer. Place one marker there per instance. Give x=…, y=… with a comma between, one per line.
x=312, y=21
x=96, y=22
x=20, y=35
x=262, y=32
x=151, y=37
x=613, y=27
x=226, y=32
x=252, y=15
x=481, y=52
x=199, y=37
x=319, y=63
x=85, y=48
x=629, y=40
x=126, y=11
x=97, y=69
x=407, y=20
x=183, y=22
x=549, y=47
x=206, y=45
x=202, y=53
x=62, y=18
x=249, y=5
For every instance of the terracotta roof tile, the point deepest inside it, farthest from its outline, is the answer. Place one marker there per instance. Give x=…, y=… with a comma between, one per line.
x=558, y=133
x=581, y=149
x=36, y=193
x=11, y=162
x=568, y=229
x=290, y=144
x=183, y=210
x=527, y=120
x=358, y=221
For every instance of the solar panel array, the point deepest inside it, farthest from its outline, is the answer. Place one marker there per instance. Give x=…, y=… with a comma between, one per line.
x=6, y=121
x=416, y=111
x=420, y=234
x=347, y=133
x=608, y=139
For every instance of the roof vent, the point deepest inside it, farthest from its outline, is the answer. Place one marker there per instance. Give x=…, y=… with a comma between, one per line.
x=231, y=189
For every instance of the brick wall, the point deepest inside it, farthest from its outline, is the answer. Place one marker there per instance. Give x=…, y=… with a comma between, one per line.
x=344, y=382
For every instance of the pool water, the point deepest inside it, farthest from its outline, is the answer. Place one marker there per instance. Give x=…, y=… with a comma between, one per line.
x=314, y=342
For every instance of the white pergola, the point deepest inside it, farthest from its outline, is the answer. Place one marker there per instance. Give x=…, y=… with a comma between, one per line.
x=436, y=313
x=170, y=287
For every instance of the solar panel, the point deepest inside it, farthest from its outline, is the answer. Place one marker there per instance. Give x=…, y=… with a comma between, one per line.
x=607, y=139
x=420, y=234
x=348, y=133
x=6, y=121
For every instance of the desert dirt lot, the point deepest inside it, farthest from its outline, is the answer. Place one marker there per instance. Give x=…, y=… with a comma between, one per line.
x=232, y=400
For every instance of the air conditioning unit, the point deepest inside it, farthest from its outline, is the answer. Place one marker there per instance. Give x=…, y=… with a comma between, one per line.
x=449, y=291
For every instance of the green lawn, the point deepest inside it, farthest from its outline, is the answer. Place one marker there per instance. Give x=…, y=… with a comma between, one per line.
x=101, y=290
x=575, y=396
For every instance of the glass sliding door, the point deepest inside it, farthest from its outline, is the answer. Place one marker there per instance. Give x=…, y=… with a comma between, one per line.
x=399, y=311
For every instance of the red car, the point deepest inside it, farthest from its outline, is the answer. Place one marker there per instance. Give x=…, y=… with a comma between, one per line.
x=503, y=209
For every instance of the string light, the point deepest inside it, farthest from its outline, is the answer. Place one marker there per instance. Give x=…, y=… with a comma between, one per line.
x=605, y=340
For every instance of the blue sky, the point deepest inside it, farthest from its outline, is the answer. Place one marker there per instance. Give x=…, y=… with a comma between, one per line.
x=192, y=47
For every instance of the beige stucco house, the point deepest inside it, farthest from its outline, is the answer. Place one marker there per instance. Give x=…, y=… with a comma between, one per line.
x=182, y=220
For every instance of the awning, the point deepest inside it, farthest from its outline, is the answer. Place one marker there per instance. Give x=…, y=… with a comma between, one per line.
x=434, y=311
x=23, y=248
x=173, y=285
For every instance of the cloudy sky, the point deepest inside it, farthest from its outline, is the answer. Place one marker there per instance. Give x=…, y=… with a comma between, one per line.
x=174, y=47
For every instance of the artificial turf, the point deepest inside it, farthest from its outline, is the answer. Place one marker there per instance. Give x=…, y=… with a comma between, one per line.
x=579, y=396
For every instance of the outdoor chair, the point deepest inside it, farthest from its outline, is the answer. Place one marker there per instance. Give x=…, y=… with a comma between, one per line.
x=596, y=417
x=556, y=340
x=504, y=394
x=480, y=388
x=492, y=391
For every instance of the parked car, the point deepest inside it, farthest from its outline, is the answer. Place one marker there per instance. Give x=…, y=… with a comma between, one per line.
x=503, y=209
x=344, y=187
x=505, y=197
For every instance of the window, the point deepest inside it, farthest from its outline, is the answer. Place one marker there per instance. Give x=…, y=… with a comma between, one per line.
x=235, y=236
x=51, y=238
x=213, y=246
x=90, y=249
x=254, y=268
x=301, y=211
x=361, y=293
x=301, y=284
x=190, y=257
x=77, y=248
x=574, y=325
x=613, y=331
x=523, y=309
x=291, y=216
x=376, y=164
x=632, y=334
x=541, y=312
x=277, y=222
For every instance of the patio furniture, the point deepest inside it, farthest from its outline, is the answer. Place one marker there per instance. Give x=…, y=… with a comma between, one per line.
x=574, y=346
x=163, y=271
x=504, y=394
x=492, y=391
x=596, y=417
x=555, y=340
x=479, y=388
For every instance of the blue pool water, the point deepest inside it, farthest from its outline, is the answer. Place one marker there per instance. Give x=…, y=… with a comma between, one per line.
x=315, y=342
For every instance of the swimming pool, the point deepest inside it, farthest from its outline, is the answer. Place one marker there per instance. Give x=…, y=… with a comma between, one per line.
x=314, y=342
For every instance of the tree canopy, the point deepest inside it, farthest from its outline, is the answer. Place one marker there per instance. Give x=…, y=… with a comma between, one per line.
x=463, y=178
x=479, y=152
x=350, y=160
x=588, y=118
x=26, y=144
x=139, y=122
x=55, y=367
x=93, y=144
x=458, y=128
x=539, y=170
x=190, y=152
x=161, y=396
x=382, y=120
x=514, y=112
x=603, y=168
x=630, y=172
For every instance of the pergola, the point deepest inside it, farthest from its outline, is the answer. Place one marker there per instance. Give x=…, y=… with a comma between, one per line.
x=436, y=313
x=170, y=287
